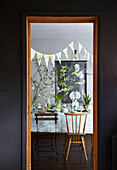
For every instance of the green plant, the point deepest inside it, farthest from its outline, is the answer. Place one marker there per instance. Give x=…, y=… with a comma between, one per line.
x=41, y=80
x=86, y=98
x=52, y=105
x=69, y=77
x=45, y=78
x=61, y=79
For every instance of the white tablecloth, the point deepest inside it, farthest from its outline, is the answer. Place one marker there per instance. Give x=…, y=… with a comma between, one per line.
x=60, y=126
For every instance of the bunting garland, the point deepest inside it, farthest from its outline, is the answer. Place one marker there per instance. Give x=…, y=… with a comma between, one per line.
x=46, y=57
x=72, y=46
x=66, y=52
x=80, y=47
x=32, y=53
x=39, y=56
x=59, y=56
x=85, y=54
x=52, y=56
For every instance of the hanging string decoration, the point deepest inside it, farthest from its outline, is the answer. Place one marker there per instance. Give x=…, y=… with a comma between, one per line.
x=32, y=53
x=46, y=57
x=52, y=56
x=80, y=47
x=66, y=52
x=59, y=56
x=72, y=46
x=86, y=54
x=39, y=56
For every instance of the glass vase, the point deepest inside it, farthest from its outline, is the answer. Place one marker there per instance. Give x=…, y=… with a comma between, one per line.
x=76, y=105
x=58, y=104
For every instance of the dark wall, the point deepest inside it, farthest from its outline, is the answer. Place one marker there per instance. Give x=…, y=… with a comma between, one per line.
x=11, y=69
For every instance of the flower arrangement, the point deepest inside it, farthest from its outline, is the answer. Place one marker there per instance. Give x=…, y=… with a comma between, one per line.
x=74, y=96
x=58, y=97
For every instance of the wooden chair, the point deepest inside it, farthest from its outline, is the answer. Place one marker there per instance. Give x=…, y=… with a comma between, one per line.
x=75, y=134
x=46, y=117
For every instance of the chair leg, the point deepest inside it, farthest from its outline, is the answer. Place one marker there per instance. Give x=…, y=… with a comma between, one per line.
x=84, y=147
x=68, y=148
x=65, y=145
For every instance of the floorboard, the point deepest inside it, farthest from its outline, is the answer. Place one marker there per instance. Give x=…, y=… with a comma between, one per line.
x=46, y=153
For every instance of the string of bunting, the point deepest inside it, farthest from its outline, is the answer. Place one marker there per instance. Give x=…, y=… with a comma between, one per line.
x=87, y=55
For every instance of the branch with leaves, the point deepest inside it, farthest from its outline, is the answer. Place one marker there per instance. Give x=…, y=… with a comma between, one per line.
x=41, y=80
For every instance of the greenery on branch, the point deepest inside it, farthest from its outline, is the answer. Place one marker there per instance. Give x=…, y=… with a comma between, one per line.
x=45, y=78
x=41, y=80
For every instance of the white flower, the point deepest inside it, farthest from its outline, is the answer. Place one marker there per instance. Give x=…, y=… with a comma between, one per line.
x=74, y=95
x=33, y=88
x=39, y=95
x=50, y=92
x=53, y=92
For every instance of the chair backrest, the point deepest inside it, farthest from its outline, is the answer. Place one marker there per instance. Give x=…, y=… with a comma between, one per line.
x=76, y=123
x=46, y=116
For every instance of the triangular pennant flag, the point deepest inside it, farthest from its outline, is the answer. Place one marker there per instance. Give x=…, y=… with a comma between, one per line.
x=88, y=55
x=80, y=47
x=59, y=57
x=72, y=46
x=39, y=56
x=85, y=53
x=50, y=64
x=52, y=56
x=32, y=53
x=66, y=52
x=46, y=57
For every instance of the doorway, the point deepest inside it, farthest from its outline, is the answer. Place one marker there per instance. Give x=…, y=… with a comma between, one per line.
x=93, y=20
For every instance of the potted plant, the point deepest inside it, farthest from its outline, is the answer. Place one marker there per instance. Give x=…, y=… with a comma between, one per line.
x=87, y=100
x=61, y=86
x=58, y=97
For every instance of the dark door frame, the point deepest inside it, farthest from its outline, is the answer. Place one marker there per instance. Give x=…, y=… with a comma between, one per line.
x=26, y=81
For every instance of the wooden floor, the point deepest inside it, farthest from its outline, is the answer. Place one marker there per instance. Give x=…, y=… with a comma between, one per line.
x=47, y=153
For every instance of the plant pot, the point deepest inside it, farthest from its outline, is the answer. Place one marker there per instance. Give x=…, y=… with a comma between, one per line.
x=86, y=106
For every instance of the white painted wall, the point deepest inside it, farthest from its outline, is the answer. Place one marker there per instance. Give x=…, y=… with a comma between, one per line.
x=54, y=45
